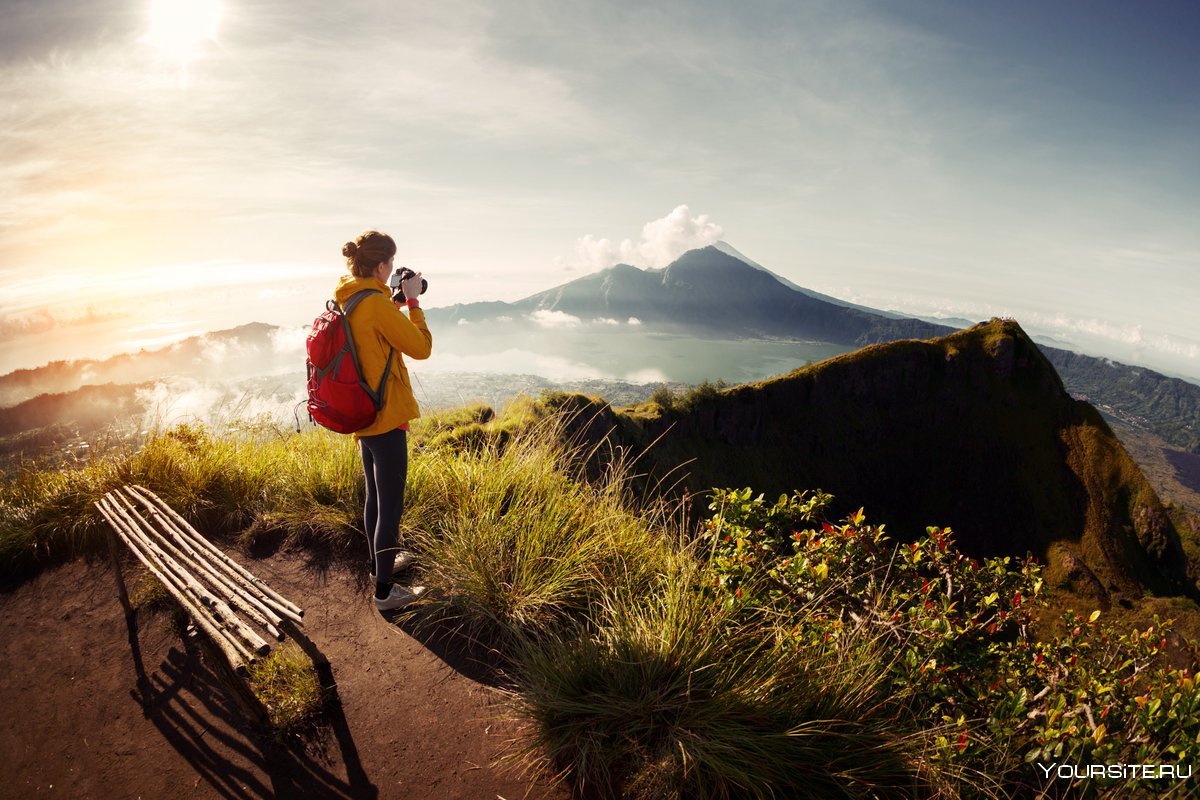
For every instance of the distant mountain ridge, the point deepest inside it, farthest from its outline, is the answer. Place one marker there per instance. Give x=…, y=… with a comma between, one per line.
x=709, y=293
x=715, y=291
x=708, y=288
x=242, y=349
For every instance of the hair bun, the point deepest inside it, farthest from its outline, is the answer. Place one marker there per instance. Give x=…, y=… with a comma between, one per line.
x=349, y=249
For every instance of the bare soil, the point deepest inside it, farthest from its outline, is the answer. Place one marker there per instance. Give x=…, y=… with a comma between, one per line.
x=413, y=718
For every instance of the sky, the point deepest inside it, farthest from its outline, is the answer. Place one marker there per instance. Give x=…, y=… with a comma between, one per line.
x=173, y=166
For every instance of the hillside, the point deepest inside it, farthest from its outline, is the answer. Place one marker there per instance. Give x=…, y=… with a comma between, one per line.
x=234, y=353
x=1168, y=407
x=717, y=292
x=974, y=431
x=709, y=288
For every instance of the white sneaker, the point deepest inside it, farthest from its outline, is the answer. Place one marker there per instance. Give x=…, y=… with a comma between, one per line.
x=404, y=560
x=399, y=597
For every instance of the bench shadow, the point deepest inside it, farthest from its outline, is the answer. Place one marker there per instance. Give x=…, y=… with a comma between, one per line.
x=193, y=711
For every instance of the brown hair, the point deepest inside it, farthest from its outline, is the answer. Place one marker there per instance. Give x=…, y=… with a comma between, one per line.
x=364, y=253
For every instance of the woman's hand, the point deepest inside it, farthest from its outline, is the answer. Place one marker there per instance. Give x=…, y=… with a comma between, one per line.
x=412, y=286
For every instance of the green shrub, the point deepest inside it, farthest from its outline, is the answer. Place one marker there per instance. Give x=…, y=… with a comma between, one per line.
x=664, y=398
x=966, y=653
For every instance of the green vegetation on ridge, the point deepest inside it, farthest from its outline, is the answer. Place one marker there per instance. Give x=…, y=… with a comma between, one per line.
x=972, y=431
x=775, y=649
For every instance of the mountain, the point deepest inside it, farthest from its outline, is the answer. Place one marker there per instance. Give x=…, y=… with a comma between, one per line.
x=716, y=291
x=973, y=431
x=707, y=289
x=707, y=294
x=1167, y=407
x=234, y=353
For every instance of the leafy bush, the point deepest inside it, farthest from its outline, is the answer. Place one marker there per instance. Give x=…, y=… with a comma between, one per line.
x=966, y=653
x=664, y=398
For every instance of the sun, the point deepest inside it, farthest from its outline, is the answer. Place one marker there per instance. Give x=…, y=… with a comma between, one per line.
x=178, y=28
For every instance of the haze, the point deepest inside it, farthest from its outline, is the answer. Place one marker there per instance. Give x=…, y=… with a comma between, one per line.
x=166, y=174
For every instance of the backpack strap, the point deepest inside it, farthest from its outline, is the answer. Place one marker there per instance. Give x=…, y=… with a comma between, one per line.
x=376, y=395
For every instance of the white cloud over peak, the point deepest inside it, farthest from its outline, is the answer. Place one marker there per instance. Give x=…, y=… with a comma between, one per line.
x=555, y=319
x=662, y=241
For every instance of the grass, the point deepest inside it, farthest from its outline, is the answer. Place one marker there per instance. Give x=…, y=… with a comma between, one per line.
x=628, y=680
x=668, y=696
x=631, y=684
x=146, y=593
x=307, y=487
x=287, y=685
x=515, y=543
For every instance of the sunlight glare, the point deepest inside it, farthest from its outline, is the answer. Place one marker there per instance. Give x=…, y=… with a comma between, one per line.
x=179, y=27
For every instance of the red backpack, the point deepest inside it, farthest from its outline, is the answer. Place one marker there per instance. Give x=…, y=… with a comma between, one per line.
x=339, y=398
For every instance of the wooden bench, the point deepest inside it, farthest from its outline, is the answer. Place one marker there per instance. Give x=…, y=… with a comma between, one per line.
x=236, y=616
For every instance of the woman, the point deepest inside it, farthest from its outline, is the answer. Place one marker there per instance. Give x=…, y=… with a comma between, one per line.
x=380, y=329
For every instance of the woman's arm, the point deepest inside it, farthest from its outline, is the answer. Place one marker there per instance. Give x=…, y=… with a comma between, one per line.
x=410, y=335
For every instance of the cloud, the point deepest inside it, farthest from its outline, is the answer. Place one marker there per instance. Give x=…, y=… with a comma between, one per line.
x=662, y=241
x=647, y=375
x=221, y=404
x=513, y=360
x=634, y=321
x=605, y=321
x=1133, y=335
x=289, y=340
x=43, y=320
x=555, y=319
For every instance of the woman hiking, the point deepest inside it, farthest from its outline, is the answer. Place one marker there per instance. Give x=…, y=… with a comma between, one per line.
x=383, y=335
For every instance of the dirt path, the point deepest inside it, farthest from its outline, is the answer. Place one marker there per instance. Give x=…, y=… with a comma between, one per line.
x=412, y=723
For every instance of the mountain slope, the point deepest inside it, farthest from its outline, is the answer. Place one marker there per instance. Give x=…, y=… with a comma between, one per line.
x=974, y=431
x=711, y=290
x=1168, y=407
x=718, y=292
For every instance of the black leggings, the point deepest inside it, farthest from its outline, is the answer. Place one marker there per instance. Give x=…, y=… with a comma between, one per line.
x=385, y=464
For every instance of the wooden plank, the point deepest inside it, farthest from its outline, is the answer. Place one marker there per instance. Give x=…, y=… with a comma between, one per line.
x=236, y=592
x=220, y=638
x=220, y=609
x=276, y=600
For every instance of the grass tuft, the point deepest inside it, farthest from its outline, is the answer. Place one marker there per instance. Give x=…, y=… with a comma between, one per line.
x=669, y=696
x=287, y=685
x=513, y=543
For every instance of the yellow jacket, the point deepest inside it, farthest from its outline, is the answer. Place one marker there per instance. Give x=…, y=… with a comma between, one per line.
x=378, y=326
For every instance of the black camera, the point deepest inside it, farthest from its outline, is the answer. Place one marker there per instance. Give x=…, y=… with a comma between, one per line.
x=399, y=275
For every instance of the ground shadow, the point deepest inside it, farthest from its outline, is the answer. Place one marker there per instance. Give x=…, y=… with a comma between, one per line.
x=474, y=655
x=193, y=711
